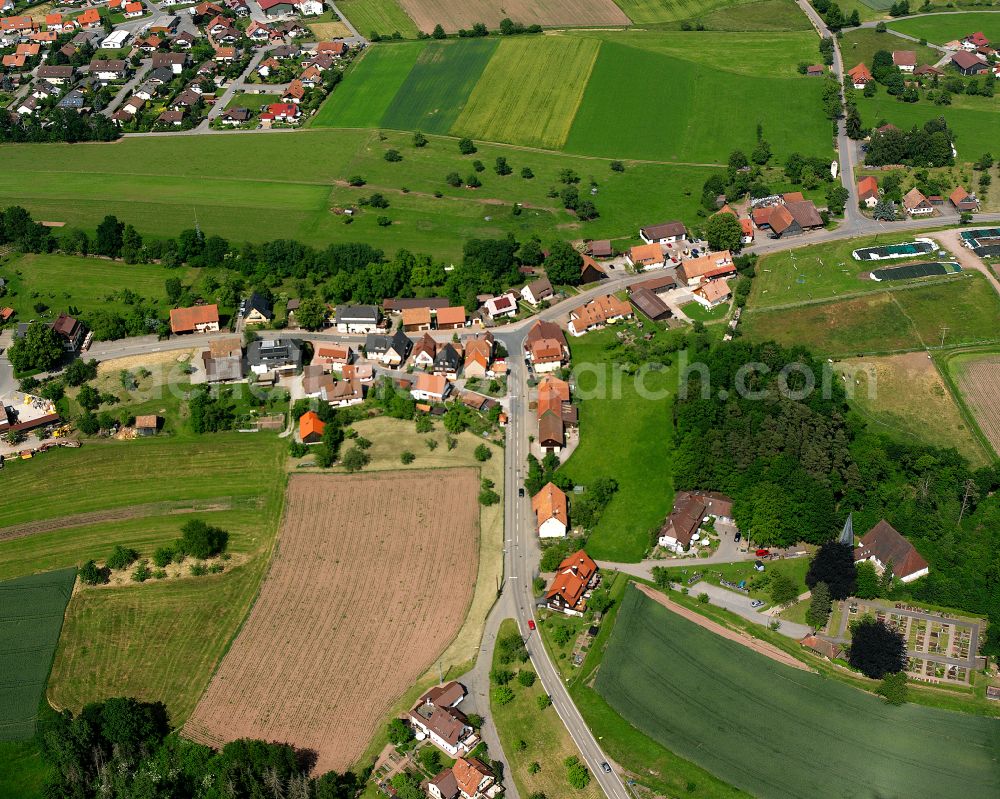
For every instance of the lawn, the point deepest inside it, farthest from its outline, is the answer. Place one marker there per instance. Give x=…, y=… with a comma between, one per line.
x=975, y=128
x=252, y=102
x=761, y=718
x=757, y=582
x=859, y=45
x=905, y=397
x=530, y=91
x=24, y=772
x=369, y=86
x=548, y=743
x=434, y=93
x=964, y=309
x=946, y=27
x=641, y=428
x=381, y=16
x=697, y=312
x=616, y=117
x=88, y=284
x=820, y=271
x=31, y=615
x=763, y=15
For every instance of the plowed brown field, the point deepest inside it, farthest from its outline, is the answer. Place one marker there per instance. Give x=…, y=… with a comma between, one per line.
x=371, y=581
x=979, y=382
x=453, y=15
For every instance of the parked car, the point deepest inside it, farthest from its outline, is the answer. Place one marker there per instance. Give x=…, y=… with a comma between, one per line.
x=520, y=492
x=762, y=553
x=737, y=538
x=758, y=566
x=531, y=624
x=756, y=603
x=606, y=767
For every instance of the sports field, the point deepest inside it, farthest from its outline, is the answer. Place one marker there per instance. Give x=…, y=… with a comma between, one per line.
x=378, y=16
x=942, y=28
x=958, y=311
x=769, y=725
x=530, y=91
x=905, y=397
x=31, y=615
x=640, y=424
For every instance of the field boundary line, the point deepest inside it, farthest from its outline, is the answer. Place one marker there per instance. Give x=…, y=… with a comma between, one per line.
x=755, y=644
x=944, y=369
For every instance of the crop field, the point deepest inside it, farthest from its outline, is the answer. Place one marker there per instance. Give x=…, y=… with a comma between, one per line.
x=31, y=615
x=369, y=87
x=530, y=91
x=381, y=16
x=434, y=92
x=454, y=15
x=761, y=718
x=641, y=460
x=352, y=612
x=957, y=311
x=89, y=284
x=978, y=378
x=617, y=116
x=717, y=14
x=905, y=397
x=942, y=28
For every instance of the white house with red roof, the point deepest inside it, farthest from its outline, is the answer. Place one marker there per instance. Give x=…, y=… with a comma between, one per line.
x=575, y=578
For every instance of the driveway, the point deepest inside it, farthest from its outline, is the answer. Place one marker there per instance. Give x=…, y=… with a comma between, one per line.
x=740, y=605
x=952, y=240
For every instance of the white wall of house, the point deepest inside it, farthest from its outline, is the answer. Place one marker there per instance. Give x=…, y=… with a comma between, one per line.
x=356, y=327
x=552, y=528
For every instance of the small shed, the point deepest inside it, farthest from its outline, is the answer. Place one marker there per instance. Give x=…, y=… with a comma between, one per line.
x=147, y=425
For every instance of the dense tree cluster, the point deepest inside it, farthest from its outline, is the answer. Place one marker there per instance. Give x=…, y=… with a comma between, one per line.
x=927, y=146
x=876, y=648
x=123, y=748
x=61, y=125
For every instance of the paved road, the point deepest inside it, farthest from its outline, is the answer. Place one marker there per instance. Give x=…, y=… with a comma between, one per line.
x=740, y=605
x=237, y=85
x=126, y=91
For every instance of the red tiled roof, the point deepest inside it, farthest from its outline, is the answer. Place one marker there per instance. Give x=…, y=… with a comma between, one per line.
x=186, y=319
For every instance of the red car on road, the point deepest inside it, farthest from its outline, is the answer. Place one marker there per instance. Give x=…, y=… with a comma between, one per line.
x=762, y=553
x=531, y=624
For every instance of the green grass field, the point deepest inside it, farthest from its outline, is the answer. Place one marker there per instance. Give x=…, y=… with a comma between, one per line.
x=433, y=94
x=630, y=88
x=763, y=15
x=640, y=460
x=87, y=283
x=886, y=321
x=548, y=741
x=24, y=772
x=381, y=16
x=757, y=582
x=530, y=91
x=657, y=11
x=860, y=45
x=159, y=640
x=945, y=27
x=770, y=725
x=31, y=615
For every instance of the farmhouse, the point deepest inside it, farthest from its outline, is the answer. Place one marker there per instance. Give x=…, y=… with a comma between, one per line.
x=334, y=356
x=555, y=411
x=706, y=267
x=868, y=191
x=503, y=306
x=467, y=779
x=916, y=204
x=646, y=256
x=537, y=291
x=196, y=319
x=356, y=318
x=274, y=355
x=416, y=319
x=664, y=233
x=437, y=718
x=969, y=64
x=690, y=509
x=712, y=294
x=906, y=60
x=963, y=201
x=430, y=387
x=597, y=313
x=575, y=578
x=223, y=360
x=450, y=318
x=886, y=548
x=550, y=508
x=860, y=76
x=389, y=350
x=975, y=40
x=546, y=347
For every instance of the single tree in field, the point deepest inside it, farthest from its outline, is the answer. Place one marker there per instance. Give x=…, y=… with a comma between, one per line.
x=834, y=565
x=876, y=648
x=819, y=606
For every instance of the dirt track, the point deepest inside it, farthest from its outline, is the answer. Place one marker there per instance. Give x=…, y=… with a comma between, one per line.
x=762, y=647
x=371, y=581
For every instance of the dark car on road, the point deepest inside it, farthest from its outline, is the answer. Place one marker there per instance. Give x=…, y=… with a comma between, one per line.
x=606, y=767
